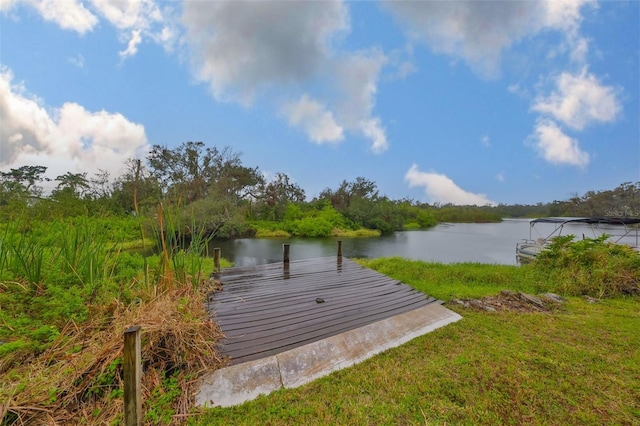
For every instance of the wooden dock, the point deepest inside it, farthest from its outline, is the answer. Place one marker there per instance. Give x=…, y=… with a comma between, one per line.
x=269, y=309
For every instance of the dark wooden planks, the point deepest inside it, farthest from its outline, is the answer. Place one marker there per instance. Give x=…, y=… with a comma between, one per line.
x=267, y=309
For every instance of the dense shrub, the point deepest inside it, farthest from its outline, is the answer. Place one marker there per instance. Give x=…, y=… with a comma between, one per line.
x=310, y=227
x=591, y=266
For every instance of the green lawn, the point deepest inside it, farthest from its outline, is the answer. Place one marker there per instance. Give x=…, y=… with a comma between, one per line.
x=577, y=365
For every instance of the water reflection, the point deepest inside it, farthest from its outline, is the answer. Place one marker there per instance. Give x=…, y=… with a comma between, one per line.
x=446, y=243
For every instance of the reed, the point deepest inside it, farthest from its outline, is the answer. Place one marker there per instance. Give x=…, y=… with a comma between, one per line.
x=26, y=258
x=183, y=249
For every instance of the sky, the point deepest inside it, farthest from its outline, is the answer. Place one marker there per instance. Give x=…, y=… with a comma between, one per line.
x=462, y=102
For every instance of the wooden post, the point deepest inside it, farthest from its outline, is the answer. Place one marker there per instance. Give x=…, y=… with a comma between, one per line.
x=132, y=373
x=216, y=260
x=339, y=249
x=285, y=249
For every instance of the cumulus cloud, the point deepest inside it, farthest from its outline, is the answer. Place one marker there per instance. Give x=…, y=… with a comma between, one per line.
x=357, y=76
x=134, y=20
x=556, y=147
x=240, y=47
x=579, y=100
x=318, y=122
x=65, y=139
x=138, y=20
x=69, y=14
x=479, y=31
x=440, y=188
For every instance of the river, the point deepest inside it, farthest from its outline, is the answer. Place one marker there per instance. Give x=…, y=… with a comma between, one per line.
x=446, y=243
x=492, y=243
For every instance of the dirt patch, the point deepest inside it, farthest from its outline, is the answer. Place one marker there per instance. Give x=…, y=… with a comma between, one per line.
x=508, y=300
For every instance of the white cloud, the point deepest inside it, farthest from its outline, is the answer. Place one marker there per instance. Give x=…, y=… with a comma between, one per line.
x=132, y=47
x=579, y=50
x=372, y=129
x=317, y=121
x=68, y=14
x=556, y=147
x=579, y=100
x=357, y=77
x=240, y=47
x=485, y=141
x=479, y=31
x=68, y=138
x=138, y=20
x=439, y=188
x=125, y=15
x=500, y=176
x=7, y=4
x=134, y=20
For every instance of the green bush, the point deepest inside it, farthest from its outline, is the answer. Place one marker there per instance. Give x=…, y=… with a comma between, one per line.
x=311, y=227
x=591, y=266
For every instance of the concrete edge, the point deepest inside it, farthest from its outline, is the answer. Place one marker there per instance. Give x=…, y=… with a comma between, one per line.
x=243, y=382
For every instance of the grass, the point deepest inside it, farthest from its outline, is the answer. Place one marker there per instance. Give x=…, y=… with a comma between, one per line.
x=355, y=233
x=344, y=233
x=66, y=294
x=68, y=289
x=463, y=280
x=272, y=233
x=577, y=365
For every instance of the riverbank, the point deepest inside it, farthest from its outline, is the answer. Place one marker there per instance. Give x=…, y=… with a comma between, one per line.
x=64, y=311
x=575, y=364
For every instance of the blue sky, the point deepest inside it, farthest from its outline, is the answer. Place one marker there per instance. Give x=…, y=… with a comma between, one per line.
x=464, y=102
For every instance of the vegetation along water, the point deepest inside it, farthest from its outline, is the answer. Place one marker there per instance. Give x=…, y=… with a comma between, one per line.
x=81, y=263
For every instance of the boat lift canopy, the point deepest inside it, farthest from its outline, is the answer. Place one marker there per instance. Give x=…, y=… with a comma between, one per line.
x=626, y=223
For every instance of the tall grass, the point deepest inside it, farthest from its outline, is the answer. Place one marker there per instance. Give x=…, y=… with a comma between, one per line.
x=183, y=250
x=28, y=259
x=4, y=250
x=69, y=286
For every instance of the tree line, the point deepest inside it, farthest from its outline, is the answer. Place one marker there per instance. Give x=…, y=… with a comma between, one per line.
x=212, y=189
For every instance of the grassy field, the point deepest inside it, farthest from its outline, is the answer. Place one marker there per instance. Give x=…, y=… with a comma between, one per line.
x=579, y=364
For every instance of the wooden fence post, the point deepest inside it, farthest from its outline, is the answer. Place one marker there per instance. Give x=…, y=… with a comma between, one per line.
x=216, y=260
x=285, y=249
x=339, y=249
x=132, y=374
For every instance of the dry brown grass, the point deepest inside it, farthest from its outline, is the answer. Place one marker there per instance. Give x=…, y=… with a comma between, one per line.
x=78, y=380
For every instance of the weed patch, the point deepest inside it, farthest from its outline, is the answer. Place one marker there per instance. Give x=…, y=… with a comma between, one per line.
x=78, y=379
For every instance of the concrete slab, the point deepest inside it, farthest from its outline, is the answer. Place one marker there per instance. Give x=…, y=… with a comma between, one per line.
x=243, y=382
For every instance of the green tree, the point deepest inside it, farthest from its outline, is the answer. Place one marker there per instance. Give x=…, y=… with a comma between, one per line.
x=276, y=195
x=23, y=181
x=193, y=171
x=137, y=189
x=74, y=184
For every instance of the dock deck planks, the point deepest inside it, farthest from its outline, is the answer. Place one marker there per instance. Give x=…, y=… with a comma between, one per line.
x=268, y=309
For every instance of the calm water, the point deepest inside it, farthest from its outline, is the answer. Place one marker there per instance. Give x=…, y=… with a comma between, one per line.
x=446, y=243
